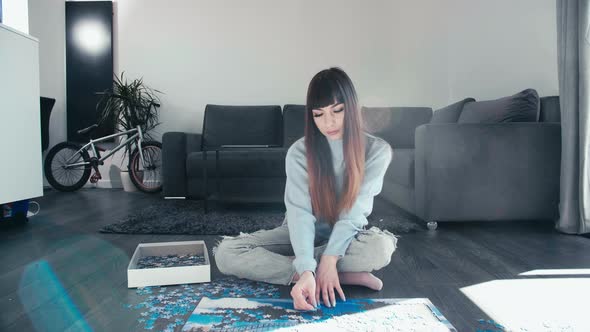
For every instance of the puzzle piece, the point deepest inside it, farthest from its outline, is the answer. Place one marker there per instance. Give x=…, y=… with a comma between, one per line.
x=150, y=262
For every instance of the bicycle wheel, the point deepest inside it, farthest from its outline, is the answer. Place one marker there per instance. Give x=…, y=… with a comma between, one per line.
x=148, y=179
x=59, y=175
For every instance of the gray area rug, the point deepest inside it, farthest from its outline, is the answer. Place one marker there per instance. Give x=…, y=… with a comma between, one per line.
x=187, y=217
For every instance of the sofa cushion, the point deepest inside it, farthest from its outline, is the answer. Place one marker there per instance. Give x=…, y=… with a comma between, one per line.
x=266, y=162
x=521, y=107
x=451, y=113
x=396, y=125
x=401, y=169
x=293, y=124
x=242, y=125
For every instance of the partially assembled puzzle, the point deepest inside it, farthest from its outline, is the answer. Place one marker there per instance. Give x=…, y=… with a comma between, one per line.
x=267, y=314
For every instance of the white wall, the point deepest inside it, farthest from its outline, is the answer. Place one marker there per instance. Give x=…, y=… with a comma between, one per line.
x=257, y=52
x=497, y=48
x=15, y=14
x=47, y=23
x=411, y=53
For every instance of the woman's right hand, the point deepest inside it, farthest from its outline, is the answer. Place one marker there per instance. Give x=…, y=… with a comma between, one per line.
x=303, y=293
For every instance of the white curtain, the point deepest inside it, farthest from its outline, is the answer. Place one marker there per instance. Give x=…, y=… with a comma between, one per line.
x=573, y=47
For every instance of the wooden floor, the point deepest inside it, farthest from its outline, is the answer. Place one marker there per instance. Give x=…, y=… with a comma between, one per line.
x=59, y=265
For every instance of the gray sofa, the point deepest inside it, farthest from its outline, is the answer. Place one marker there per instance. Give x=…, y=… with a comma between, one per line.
x=442, y=170
x=476, y=171
x=251, y=175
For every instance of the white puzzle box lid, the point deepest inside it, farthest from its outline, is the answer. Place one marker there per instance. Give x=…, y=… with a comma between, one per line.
x=169, y=263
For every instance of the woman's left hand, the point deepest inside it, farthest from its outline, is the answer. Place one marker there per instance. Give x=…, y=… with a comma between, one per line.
x=327, y=280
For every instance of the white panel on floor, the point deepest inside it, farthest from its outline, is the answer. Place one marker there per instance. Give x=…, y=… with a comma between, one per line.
x=549, y=304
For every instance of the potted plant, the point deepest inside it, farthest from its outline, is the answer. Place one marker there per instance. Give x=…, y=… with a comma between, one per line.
x=129, y=104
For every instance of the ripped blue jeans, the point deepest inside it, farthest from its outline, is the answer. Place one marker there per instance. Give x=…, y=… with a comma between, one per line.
x=267, y=255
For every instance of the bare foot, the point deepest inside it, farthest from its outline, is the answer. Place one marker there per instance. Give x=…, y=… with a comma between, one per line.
x=360, y=278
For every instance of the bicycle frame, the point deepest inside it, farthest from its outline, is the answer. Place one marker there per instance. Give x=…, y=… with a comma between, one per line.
x=137, y=133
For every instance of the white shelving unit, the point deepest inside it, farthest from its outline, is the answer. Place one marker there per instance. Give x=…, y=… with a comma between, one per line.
x=21, y=167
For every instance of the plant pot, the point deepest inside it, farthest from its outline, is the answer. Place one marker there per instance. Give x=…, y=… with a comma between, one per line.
x=128, y=186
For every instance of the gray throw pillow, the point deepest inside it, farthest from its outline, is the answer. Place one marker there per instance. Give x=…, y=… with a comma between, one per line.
x=451, y=113
x=521, y=107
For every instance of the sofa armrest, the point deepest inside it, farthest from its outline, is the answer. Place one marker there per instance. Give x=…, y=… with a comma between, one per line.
x=175, y=148
x=503, y=171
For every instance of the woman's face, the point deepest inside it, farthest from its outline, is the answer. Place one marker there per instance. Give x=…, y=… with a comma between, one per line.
x=330, y=120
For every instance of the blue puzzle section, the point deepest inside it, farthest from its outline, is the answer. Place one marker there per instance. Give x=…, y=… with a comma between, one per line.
x=166, y=308
x=489, y=326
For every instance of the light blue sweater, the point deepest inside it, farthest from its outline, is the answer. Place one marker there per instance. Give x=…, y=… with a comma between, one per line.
x=300, y=219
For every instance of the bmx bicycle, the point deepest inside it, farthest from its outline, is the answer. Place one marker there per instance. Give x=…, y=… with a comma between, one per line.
x=68, y=165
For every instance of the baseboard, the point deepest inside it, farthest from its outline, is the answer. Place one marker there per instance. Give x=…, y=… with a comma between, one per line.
x=105, y=184
x=101, y=184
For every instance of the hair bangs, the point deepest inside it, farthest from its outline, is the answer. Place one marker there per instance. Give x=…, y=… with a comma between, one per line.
x=324, y=91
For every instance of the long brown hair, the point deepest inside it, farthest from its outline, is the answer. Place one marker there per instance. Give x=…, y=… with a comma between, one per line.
x=327, y=87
